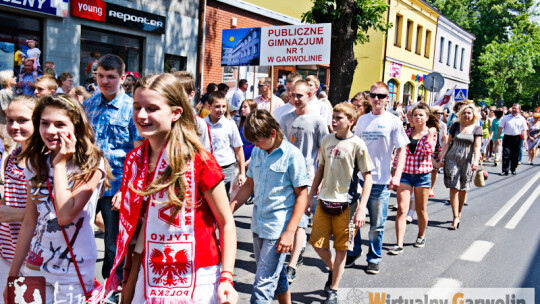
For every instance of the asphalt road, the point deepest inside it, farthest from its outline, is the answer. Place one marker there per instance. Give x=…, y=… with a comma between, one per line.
x=497, y=245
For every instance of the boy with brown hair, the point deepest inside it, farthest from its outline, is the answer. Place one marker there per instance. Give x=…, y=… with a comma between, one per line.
x=45, y=85
x=342, y=155
x=277, y=175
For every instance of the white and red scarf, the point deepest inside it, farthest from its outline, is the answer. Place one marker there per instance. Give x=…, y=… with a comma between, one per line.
x=169, y=246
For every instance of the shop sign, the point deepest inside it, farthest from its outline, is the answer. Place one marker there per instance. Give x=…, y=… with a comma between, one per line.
x=304, y=44
x=120, y=15
x=57, y=8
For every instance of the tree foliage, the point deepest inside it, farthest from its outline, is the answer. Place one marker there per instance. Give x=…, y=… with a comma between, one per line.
x=500, y=26
x=351, y=20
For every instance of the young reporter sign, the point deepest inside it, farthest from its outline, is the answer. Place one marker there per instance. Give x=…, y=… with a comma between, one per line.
x=277, y=45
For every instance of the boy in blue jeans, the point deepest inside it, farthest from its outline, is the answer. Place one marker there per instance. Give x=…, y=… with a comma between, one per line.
x=341, y=154
x=277, y=175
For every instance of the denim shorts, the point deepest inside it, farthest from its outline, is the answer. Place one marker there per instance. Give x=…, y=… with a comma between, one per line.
x=416, y=180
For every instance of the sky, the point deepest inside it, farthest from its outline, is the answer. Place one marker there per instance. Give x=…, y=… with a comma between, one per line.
x=231, y=36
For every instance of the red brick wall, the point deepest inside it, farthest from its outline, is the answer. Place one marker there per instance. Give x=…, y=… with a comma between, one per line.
x=218, y=17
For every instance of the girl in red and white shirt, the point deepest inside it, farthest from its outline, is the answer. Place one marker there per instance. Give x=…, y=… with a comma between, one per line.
x=19, y=127
x=416, y=174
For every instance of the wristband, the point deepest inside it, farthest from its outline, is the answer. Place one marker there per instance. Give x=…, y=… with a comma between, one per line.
x=225, y=271
x=227, y=280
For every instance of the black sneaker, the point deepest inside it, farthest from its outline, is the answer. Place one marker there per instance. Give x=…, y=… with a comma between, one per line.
x=332, y=297
x=420, y=242
x=514, y=173
x=291, y=274
x=396, y=250
x=349, y=261
x=300, y=261
x=372, y=268
x=505, y=173
x=328, y=283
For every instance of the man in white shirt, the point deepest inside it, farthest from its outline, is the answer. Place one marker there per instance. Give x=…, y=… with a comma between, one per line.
x=267, y=100
x=515, y=128
x=382, y=132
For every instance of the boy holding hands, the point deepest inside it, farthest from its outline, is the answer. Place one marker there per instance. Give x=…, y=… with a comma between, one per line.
x=277, y=175
x=341, y=154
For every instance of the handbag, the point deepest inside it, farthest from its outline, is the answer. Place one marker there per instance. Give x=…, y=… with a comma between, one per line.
x=479, y=179
x=29, y=288
x=333, y=208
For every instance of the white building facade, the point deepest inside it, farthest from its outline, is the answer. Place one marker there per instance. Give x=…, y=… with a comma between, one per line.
x=453, y=53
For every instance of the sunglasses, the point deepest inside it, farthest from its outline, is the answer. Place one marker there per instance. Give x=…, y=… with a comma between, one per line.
x=261, y=85
x=380, y=96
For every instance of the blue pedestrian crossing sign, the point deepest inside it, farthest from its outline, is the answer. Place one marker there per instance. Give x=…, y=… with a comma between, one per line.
x=460, y=94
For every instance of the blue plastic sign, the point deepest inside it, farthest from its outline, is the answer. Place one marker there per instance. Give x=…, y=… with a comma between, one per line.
x=57, y=8
x=460, y=94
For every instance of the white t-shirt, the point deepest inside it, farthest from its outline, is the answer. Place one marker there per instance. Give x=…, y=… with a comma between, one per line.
x=32, y=54
x=225, y=137
x=281, y=111
x=48, y=248
x=381, y=133
x=322, y=109
x=237, y=98
x=513, y=125
x=305, y=132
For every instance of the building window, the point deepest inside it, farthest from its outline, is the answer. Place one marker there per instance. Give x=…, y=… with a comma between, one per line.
x=427, y=48
x=422, y=93
x=408, y=42
x=15, y=30
x=393, y=90
x=419, y=32
x=462, y=56
x=399, y=28
x=441, y=52
x=408, y=90
x=174, y=63
x=456, y=56
x=449, y=53
x=128, y=47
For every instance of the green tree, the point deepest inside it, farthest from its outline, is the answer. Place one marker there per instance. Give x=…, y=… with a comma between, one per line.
x=508, y=64
x=351, y=20
x=491, y=21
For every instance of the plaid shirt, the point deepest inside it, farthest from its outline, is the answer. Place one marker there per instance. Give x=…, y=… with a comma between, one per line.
x=114, y=130
x=420, y=161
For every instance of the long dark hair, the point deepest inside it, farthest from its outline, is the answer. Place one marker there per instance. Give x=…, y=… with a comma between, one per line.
x=87, y=155
x=252, y=106
x=433, y=121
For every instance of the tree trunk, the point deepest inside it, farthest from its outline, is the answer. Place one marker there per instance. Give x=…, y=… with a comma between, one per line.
x=499, y=101
x=342, y=60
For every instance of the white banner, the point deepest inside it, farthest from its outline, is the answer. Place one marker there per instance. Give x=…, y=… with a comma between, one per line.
x=295, y=44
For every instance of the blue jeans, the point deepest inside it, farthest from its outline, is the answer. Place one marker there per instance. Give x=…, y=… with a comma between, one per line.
x=270, y=266
x=378, y=211
x=111, y=220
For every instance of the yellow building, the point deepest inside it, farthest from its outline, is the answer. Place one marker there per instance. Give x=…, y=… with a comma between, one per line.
x=410, y=48
x=406, y=51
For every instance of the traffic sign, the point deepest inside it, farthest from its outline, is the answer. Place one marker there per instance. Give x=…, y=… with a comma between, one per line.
x=460, y=94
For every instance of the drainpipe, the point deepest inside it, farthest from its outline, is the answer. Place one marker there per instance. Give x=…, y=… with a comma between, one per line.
x=200, y=50
x=385, y=43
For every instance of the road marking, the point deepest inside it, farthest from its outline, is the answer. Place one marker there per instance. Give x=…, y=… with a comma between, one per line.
x=523, y=210
x=502, y=212
x=477, y=251
x=444, y=287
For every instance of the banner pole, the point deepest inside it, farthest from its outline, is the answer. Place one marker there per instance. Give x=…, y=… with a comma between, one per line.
x=254, y=84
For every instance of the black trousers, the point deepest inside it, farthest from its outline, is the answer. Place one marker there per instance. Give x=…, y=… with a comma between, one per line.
x=511, y=149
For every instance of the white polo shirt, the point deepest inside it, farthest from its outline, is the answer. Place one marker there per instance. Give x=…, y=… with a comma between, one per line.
x=513, y=125
x=225, y=137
